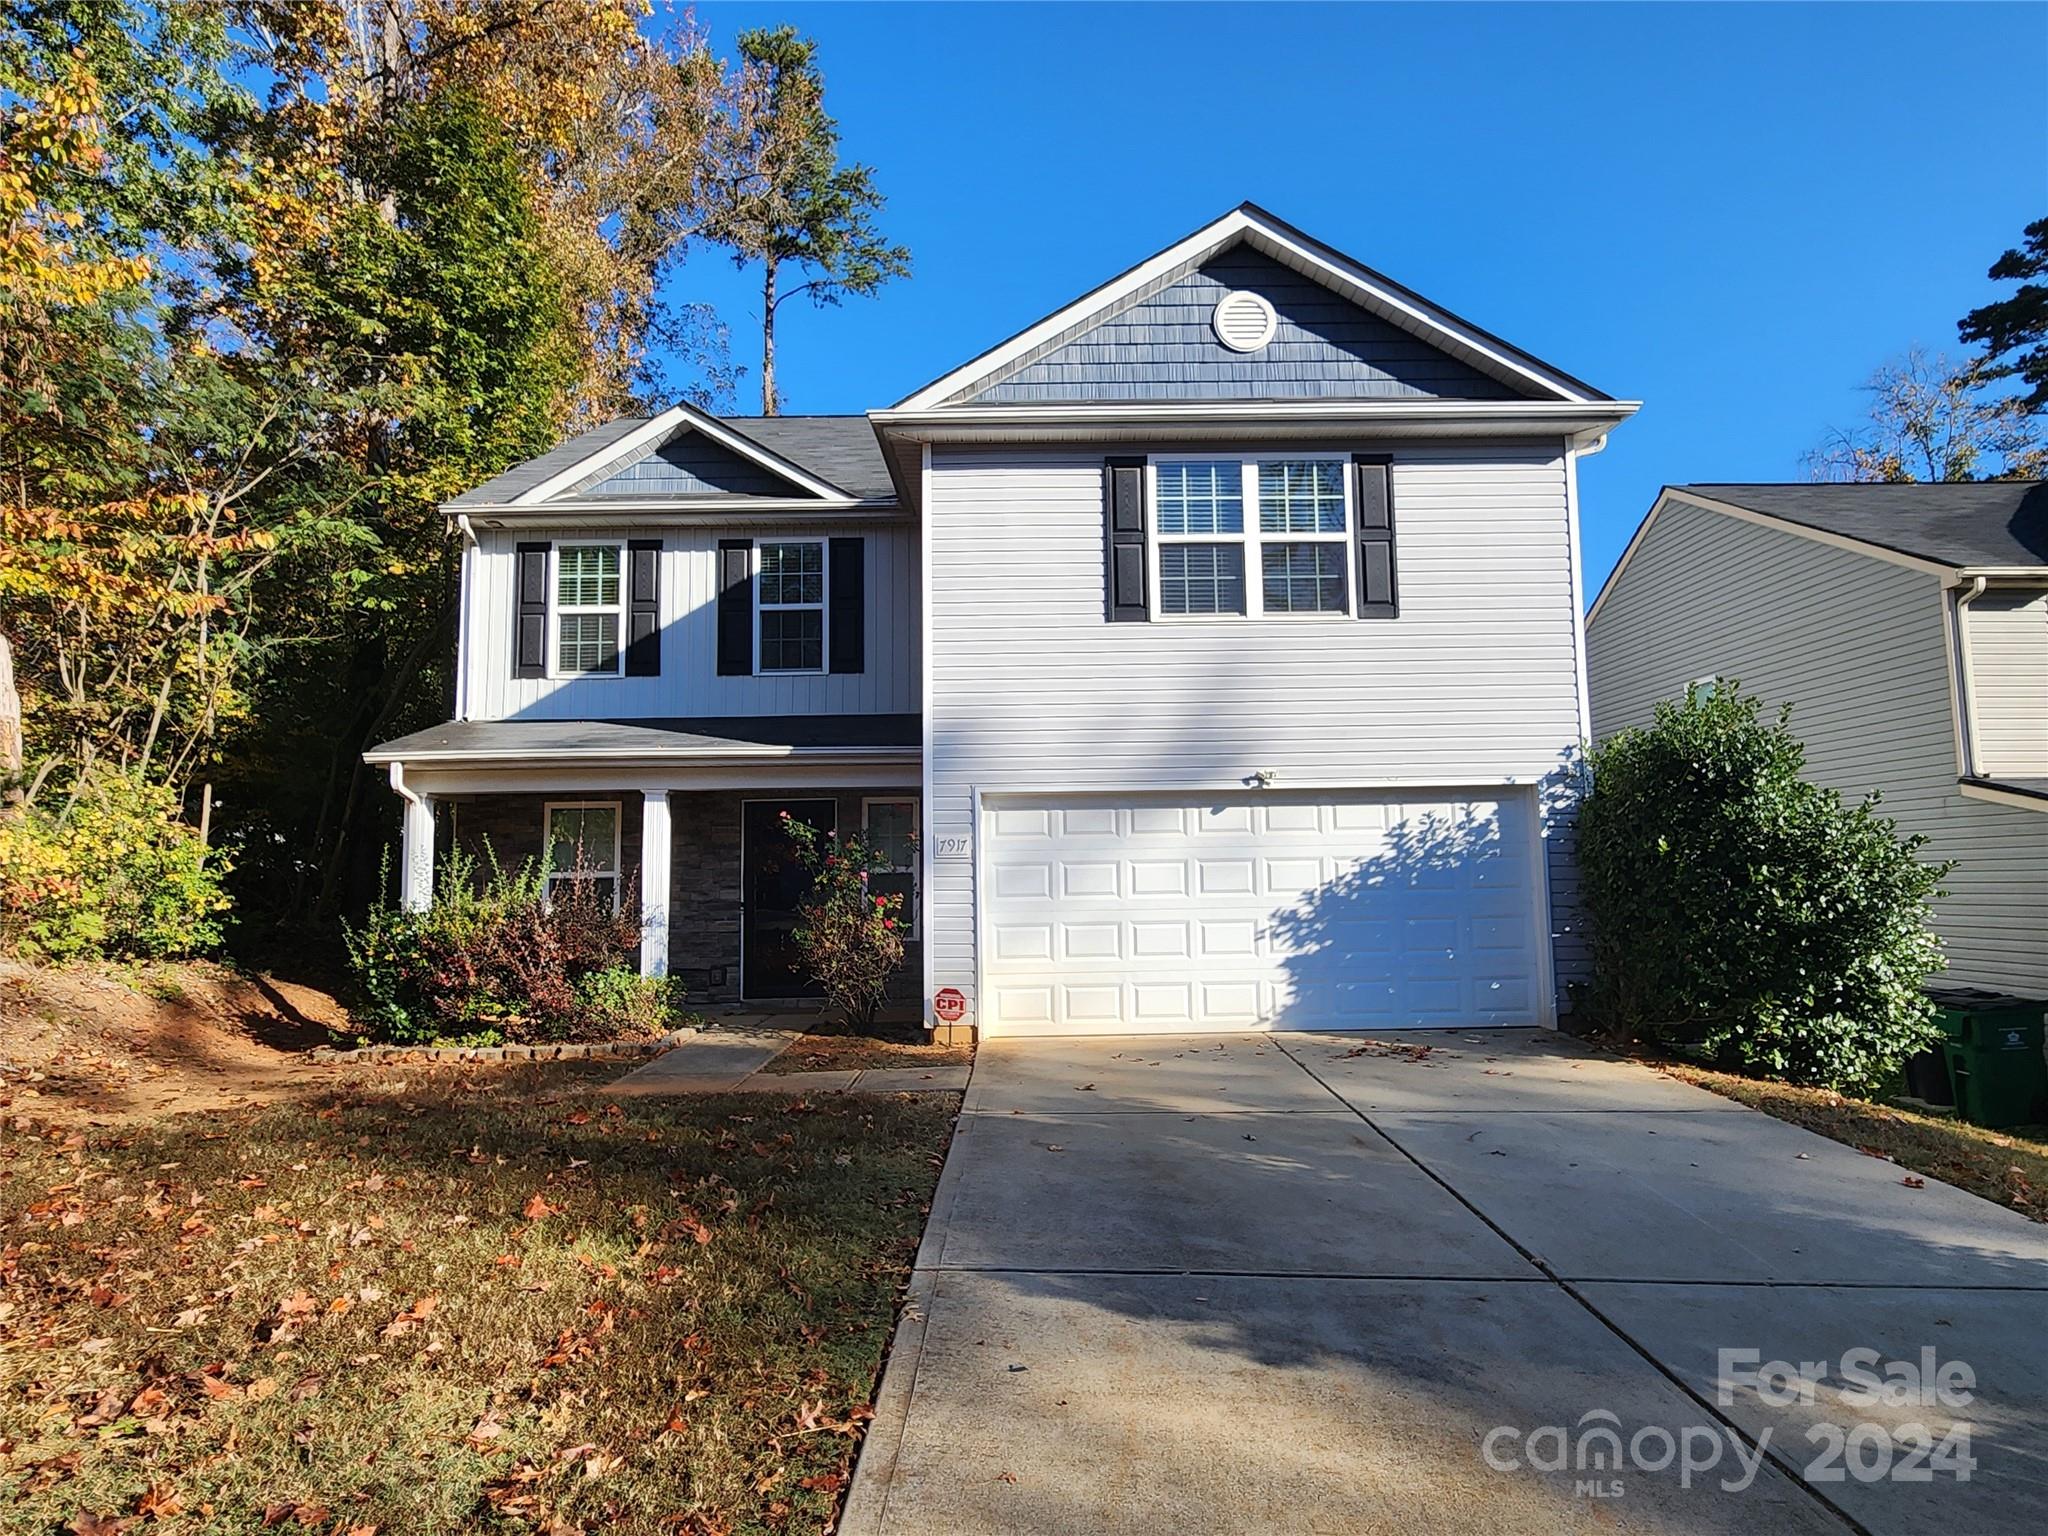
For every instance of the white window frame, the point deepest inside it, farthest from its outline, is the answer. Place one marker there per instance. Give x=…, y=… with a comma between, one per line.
x=556, y=610
x=823, y=605
x=1250, y=540
x=916, y=931
x=616, y=874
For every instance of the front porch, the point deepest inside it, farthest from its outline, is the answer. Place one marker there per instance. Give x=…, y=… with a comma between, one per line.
x=684, y=820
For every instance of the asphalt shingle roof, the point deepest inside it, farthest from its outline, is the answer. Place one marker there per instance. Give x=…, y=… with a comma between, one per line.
x=746, y=735
x=839, y=449
x=1972, y=523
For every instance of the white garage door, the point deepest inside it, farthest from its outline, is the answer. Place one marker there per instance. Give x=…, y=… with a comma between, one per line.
x=1275, y=910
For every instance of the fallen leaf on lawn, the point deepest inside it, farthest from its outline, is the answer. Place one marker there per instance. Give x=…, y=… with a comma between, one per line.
x=214, y=1387
x=411, y=1318
x=1006, y=1477
x=298, y=1304
x=537, y=1208
x=158, y=1503
x=85, y=1523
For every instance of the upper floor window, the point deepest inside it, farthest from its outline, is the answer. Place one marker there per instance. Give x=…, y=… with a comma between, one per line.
x=790, y=604
x=589, y=609
x=1297, y=540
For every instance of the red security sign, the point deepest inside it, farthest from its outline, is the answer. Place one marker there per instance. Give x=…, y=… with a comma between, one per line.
x=949, y=1004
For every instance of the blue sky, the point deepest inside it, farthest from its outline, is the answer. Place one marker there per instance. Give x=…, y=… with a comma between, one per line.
x=1732, y=213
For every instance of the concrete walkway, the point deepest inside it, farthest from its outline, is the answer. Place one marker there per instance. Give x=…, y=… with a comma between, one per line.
x=728, y=1058
x=1318, y=1284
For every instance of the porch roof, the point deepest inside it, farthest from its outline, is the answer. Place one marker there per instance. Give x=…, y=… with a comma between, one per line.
x=768, y=738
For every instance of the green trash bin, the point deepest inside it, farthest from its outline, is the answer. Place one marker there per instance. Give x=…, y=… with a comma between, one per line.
x=1993, y=1045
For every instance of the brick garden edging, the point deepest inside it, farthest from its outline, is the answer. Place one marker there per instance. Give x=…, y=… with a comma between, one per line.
x=599, y=1050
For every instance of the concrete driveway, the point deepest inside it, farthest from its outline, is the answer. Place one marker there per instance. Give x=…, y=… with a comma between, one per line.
x=1450, y=1282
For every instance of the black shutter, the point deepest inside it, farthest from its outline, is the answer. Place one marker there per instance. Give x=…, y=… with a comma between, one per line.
x=643, y=608
x=530, y=617
x=1378, y=596
x=848, y=621
x=1123, y=516
x=735, y=607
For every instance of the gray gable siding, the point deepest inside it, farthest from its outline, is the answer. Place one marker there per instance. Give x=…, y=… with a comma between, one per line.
x=691, y=465
x=1162, y=348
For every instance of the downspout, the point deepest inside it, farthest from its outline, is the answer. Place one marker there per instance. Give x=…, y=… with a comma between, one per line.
x=1966, y=705
x=470, y=544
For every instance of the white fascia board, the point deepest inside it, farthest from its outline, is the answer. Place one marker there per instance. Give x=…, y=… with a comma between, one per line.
x=626, y=511
x=1670, y=496
x=2019, y=575
x=575, y=757
x=655, y=431
x=1584, y=422
x=1341, y=275
x=1997, y=794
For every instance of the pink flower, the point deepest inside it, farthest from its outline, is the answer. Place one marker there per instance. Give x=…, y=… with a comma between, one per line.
x=888, y=922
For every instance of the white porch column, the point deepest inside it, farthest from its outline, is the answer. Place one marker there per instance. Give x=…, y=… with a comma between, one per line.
x=416, y=850
x=656, y=844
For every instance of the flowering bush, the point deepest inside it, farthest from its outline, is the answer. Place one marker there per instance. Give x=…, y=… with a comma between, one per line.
x=850, y=938
x=115, y=874
x=499, y=959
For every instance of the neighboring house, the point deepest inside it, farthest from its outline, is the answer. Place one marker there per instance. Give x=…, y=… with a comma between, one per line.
x=1217, y=636
x=1907, y=626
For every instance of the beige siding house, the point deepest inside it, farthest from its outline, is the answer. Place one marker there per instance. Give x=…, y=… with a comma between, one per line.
x=1907, y=626
x=1207, y=656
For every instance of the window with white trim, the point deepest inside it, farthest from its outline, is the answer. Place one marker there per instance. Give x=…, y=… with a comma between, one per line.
x=590, y=608
x=1297, y=541
x=891, y=830
x=789, y=604
x=583, y=845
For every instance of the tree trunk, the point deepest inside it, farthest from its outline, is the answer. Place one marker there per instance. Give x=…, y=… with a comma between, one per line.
x=768, y=336
x=11, y=798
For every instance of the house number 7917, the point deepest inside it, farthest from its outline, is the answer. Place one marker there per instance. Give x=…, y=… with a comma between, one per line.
x=949, y=847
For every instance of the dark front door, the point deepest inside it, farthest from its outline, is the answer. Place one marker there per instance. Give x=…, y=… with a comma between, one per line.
x=775, y=885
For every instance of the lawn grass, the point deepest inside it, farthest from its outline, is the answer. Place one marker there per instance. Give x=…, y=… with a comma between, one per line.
x=2009, y=1167
x=421, y=1312
x=830, y=1046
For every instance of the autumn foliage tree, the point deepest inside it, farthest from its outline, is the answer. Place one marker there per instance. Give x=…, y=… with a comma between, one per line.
x=278, y=277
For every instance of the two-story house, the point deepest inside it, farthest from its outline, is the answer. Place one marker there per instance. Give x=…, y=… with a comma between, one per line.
x=1208, y=655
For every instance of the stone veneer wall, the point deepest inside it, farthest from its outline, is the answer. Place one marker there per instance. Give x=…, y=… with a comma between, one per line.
x=704, y=870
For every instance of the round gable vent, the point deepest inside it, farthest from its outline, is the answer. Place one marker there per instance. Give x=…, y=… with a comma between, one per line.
x=1244, y=322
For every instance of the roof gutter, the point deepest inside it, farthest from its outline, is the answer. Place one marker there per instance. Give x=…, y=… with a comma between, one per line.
x=629, y=757
x=1584, y=422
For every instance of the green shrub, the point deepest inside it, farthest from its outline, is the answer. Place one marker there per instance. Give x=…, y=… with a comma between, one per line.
x=496, y=958
x=1745, y=915
x=624, y=1005
x=116, y=874
x=851, y=940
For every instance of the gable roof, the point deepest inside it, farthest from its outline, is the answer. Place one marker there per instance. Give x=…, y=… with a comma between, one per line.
x=1997, y=523
x=686, y=453
x=1525, y=375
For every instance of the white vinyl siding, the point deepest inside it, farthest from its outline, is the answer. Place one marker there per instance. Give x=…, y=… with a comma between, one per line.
x=2009, y=682
x=1032, y=690
x=1857, y=646
x=689, y=684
